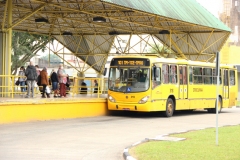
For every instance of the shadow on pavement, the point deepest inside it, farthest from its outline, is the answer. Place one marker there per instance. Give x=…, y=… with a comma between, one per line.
x=133, y=114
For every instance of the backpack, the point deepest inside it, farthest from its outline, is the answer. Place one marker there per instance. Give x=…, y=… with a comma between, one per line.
x=39, y=80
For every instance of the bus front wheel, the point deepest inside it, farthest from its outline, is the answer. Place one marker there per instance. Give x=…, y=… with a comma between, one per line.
x=170, y=107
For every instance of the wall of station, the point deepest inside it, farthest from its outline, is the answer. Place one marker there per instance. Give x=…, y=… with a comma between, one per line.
x=51, y=109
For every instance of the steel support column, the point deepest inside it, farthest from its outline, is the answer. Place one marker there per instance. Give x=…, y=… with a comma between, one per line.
x=5, y=53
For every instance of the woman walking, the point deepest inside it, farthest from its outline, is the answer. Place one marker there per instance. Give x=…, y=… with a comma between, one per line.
x=44, y=82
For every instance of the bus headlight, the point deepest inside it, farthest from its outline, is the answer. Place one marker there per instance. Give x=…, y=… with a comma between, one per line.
x=144, y=100
x=111, y=99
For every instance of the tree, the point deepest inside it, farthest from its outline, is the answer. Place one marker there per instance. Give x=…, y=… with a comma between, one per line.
x=25, y=46
x=160, y=49
x=53, y=58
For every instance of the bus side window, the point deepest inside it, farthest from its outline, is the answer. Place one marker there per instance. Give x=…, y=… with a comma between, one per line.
x=165, y=74
x=156, y=79
x=207, y=75
x=180, y=75
x=215, y=77
x=173, y=74
x=232, y=77
x=226, y=82
x=183, y=75
x=197, y=75
x=190, y=75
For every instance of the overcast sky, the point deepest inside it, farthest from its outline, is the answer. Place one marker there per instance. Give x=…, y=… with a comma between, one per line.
x=213, y=6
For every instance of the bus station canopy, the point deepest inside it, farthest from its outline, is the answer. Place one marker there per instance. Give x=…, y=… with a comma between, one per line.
x=88, y=27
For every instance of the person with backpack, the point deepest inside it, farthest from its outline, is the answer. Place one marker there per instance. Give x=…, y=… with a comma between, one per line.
x=54, y=80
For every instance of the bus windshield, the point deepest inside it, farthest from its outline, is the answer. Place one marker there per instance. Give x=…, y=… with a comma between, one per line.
x=129, y=79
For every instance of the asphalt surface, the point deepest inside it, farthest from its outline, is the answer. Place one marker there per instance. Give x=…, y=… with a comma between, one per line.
x=98, y=138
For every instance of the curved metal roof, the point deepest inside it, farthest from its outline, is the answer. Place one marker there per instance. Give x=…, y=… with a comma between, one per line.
x=185, y=26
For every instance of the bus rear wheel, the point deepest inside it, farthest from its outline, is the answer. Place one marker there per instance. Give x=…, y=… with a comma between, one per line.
x=170, y=107
x=213, y=110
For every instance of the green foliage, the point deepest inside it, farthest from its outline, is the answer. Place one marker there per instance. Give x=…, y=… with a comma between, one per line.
x=198, y=145
x=162, y=50
x=157, y=48
x=25, y=46
x=53, y=58
x=238, y=103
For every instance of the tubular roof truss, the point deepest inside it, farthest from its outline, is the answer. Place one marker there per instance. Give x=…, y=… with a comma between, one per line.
x=195, y=33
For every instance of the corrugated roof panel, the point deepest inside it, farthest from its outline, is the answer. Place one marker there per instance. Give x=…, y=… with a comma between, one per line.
x=99, y=44
x=194, y=42
x=75, y=44
x=88, y=44
x=183, y=10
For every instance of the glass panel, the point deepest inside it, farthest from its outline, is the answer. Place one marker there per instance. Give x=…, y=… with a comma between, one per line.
x=173, y=74
x=184, y=75
x=180, y=75
x=156, y=81
x=225, y=77
x=215, y=77
x=190, y=75
x=232, y=77
x=124, y=79
x=165, y=73
x=197, y=75
x=207, y=75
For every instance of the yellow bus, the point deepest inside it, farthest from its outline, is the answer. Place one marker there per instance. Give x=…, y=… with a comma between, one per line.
x=149, y=83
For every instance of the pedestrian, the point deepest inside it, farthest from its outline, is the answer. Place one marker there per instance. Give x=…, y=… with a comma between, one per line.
x=83, y=88
x=54, y=80
x=37, y=69
x=38, y=84
x=68, y=84
x=95, y=86
x=31, y=75
x=44, y=82
x=22, y=78
x=62, y=79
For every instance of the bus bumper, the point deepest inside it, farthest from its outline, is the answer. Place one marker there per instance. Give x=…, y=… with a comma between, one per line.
x=146, y=107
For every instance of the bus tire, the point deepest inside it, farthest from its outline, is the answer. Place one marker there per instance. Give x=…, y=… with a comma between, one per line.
x=170, y=107
x=213, y=110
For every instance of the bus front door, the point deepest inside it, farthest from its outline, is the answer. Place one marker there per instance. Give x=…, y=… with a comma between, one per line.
x=183, y=82
x=225, y=84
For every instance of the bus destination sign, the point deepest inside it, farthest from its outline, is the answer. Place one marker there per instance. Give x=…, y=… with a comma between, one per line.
x=130, y=62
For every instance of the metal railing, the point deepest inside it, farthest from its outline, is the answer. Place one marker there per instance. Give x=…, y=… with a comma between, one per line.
x=9, y=89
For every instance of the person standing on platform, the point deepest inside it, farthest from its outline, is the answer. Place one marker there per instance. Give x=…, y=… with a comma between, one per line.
x=38, y=73
x=62, y=79
x=22, y=78
x=44, y=82
x=31, y=75
x=54, y=79
x=37, y=69
x=95, y=86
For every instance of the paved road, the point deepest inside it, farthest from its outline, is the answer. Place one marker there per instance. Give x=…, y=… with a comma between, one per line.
x=98, y=138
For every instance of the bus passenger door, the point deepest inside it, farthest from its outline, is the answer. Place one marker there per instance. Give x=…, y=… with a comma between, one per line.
x=225, y=84
x=183, y=82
